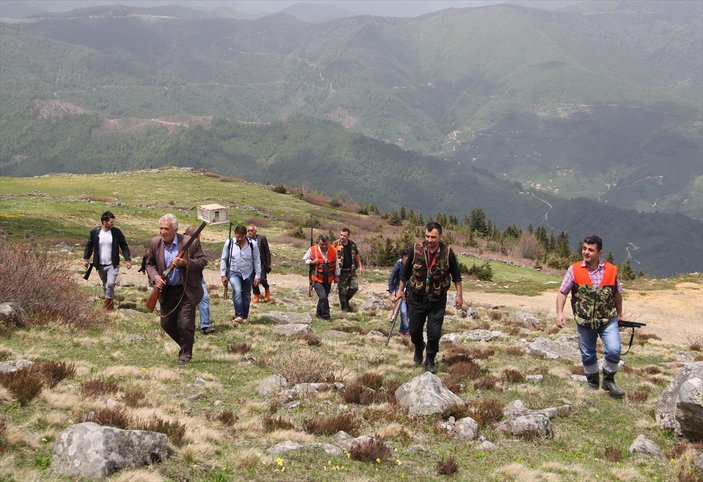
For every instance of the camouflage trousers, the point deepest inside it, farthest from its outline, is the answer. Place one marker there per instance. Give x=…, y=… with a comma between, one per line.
x=347, y=286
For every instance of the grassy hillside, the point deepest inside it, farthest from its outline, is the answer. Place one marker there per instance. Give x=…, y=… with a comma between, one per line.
x=122, y=370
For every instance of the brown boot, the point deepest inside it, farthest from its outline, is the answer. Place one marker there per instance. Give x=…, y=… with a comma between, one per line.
x=256, y=298
x=108, y=304
x=267, y=295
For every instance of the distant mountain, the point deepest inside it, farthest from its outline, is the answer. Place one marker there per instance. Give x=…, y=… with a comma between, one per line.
x=604, y=104
x=317, y=12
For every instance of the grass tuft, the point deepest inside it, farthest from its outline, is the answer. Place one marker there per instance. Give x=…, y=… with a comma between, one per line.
x=175, y=431
x=447, y=466
x=332, y=424
x=371, y=450
x=239, y=348
x=24, y=384
x=97, y=387
x=54, y=372
x=271, y=423
x=110, y=417
x=486, y=411
x=513, y=376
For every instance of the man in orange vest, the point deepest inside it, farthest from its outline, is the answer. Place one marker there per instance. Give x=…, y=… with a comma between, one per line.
x=596, y=301
x=322, y=257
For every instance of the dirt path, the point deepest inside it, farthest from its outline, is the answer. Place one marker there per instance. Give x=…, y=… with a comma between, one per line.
x=675, y=316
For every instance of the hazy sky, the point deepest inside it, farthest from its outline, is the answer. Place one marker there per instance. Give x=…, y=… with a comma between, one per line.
x=395, y=8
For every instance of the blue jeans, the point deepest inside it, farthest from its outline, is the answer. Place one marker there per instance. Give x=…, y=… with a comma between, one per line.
x=404, y=320
x=241, y=294
x=610, y=336
x=204, y=308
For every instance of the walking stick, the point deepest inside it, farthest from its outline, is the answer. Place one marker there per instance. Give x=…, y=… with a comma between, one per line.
x=394, y=316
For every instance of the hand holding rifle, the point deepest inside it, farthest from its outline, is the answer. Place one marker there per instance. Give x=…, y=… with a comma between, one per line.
x=394, y=316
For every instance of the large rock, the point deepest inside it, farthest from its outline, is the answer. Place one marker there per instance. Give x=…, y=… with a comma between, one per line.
x=13, y=316
x=529, y=425
x=271, y=386
x=646, y=448
x=12, y=366
x=92, y=451
x=473, y=335
x=528, y=320
x=426, y=395
x=285, y=318
x=555, y=349
x=680, y=406
x=293, y=329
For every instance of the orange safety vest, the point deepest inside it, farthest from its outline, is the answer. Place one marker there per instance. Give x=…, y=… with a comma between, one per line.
x=593, y=307
x=323, y=268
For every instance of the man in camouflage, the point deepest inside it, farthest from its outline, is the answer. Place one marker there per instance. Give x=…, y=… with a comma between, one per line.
x=596, y=301
x=428, y=275
x=349, y=262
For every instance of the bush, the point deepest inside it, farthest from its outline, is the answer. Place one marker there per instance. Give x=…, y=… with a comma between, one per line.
x=96, y=388
x=331, y=425
x=305, y=366
x=447, y=466
x=31, y=277
x=371, y=450
x=271, y=424
x=280, y=189
x=54, y=372
x=175, y=431
x=483, y=272
x=486, y=411
x=25, y=384
x=109, y=417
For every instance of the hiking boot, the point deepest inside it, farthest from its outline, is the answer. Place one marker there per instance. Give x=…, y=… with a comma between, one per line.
x=418, y=356
x=108, y=304
x=610, y=386
x=256, y=298
x=430, y=366
x=208, y=330
x=593, y=381
x=267, y=295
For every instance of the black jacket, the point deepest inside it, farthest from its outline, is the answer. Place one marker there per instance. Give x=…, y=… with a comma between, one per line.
x=118, y=242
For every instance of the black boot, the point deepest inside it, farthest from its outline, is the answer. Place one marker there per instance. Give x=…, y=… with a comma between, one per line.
x=343, y=305
x=593, y=381
x=418, y=355
x=610, y=386
x=430, y=366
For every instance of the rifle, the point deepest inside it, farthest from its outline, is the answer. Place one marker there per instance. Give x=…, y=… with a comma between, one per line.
x=633, y=325
x=87, y=273
x=153, y=298
x=394, y=316
x=310, y=269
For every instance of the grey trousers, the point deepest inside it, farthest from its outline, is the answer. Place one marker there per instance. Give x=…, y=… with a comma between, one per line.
x=108, y=275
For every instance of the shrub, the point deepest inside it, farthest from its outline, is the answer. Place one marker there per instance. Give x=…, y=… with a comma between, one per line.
x=310, y=338
x=483, y=272
x=228, y=418
x=24, y=384
x=513, y=376
x=240, y=348
x=271, y=424
x=110, y=417
x=485, y=383
x=175, y=431
x=331, y=425
x=54, y=372
x=280, y=189
x=305, y=366
x=639, y=395
x=135, y=398
x=457, y=411
x=612, y=454
x=30, y=277
x=95, y=388
x=447, y=466
x=486, y=411
x=465, y=370
x=373, y=449
x=481, y=353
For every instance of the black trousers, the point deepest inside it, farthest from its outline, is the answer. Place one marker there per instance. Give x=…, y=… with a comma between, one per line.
x=424, y=309
x=263, y=281
x=323, y=303
x=178, y=318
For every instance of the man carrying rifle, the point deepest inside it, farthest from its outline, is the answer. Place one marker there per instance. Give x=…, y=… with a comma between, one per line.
x=324, y=269
x=181, y=290
x=106, y=241
x=428, y=276
x=596, y=301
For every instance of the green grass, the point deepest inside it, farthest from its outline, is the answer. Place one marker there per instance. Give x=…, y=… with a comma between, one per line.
x=510, y=279
x=132, y=351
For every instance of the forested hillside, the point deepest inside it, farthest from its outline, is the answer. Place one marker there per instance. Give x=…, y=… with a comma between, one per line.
x=599, y=104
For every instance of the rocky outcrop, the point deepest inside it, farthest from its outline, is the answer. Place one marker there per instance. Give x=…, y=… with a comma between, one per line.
x=426, y=395
x=680, y=406
x=92, y=451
